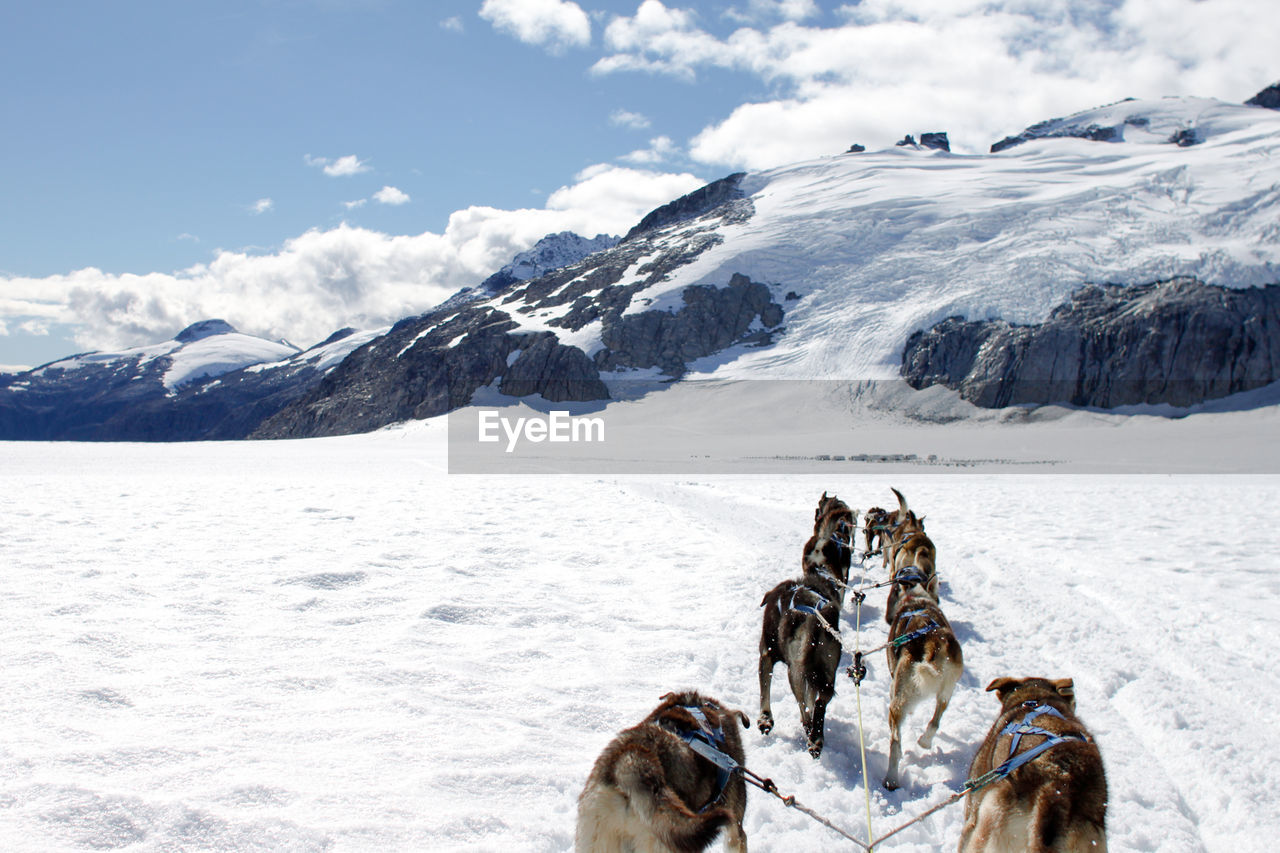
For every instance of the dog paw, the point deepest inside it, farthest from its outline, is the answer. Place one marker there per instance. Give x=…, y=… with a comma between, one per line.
x=815, y=749
x=890, y=783
x=925, y=742
x=765, y=723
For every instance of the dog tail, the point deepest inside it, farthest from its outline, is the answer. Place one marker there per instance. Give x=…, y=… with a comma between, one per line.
x=640, y=777
x=902, y=506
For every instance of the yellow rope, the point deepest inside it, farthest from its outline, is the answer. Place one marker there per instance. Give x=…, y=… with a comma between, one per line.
x=862, y=743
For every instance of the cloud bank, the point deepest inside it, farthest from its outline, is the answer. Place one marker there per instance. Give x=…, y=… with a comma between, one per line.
x=326, y=279
x=977, y=69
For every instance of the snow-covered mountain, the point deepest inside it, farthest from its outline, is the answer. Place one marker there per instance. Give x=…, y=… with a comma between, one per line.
x=209, y=381
x=826, y=269
x=847, y=257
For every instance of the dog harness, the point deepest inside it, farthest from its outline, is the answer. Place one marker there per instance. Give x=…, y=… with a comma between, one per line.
x=910, y=575
x=708, y=742
x=899, y=642
x=810, y=609
x=1026, y=726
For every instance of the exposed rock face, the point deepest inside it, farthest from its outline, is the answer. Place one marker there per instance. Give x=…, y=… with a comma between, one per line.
x=937, y=140
x=1268, y=97
x=710, y=320
x=430, y=365
x=433, y=364
x=856, y=148
x=1051, y=130
x=695, y=204
x=1179, y=342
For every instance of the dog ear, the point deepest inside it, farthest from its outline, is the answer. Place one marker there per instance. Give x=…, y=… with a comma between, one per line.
x=1003, y=686
x=1066, y=689
x=746, y=721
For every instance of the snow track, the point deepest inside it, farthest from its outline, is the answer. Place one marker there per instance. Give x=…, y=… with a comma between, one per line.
x=332, y=645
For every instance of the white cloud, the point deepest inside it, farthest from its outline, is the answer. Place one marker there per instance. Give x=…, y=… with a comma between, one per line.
x=262, y=205
x=391, y=195
x=185, y=236
x=765, y=10
x=453, y=24
x=324, y=280
x=554, y=24
x=975, y=68
x=626, y=118
x=660, y=149
x=352, y=205
x=342, y=167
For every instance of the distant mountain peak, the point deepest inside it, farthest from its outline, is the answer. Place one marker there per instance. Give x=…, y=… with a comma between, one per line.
x=1268, y=97
x=204, y=329
x=554, y=251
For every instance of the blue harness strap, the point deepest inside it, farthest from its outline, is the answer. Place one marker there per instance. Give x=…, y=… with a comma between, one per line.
x=708, y=742
x=1026, y=727
x=810, y=609
x=910, y=574
x=899, y=642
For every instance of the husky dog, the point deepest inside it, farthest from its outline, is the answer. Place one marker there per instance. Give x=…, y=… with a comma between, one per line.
x=876, y=525
x=652, y=791
x=910, y=553
x=797, y=616
x=1053, y=797
x=834, y=526
x=925, y=661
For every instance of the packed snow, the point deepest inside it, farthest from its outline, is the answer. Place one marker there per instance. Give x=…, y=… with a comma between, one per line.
x=335, y=645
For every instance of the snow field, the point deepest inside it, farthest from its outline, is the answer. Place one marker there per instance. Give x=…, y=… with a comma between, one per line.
x=332, y=645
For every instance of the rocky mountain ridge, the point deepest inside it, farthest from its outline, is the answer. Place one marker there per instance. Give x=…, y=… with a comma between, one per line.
x=1177, y=342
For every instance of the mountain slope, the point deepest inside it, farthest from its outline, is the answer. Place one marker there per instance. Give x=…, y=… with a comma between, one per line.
x=210, y=381
x=862, y=250
x=819, y=270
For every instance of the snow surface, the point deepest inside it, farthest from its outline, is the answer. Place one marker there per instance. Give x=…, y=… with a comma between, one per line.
x=208, y=356
x=333, y=645
x=219, y=354
x=880, y=244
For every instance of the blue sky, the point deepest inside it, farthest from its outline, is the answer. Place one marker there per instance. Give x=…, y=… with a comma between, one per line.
x=300, y=165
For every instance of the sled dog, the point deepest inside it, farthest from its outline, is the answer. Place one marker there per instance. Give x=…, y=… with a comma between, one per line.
x=794, y=634
x=1054, y=796
x=925, y=662
x=653, y=791
x=834, y=526
x=876, y=525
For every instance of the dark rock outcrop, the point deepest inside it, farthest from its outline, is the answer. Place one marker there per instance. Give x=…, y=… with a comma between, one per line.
x=856, y=148
x=710, y=320
x=691, y=206
x=433, y=364
x=907, y=141
x=1052, y=129
x=1268, y=97
x=937, y=140
x=1179, y=342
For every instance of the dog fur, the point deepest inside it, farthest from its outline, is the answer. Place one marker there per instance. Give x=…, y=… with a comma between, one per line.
x=909, y=548
x=810, y=652
x=831, y=546
x=1057, y=801
x=926, y=666
x=875, y=523
x=649, y=792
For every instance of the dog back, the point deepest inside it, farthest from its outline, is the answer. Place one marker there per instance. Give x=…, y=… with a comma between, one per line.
x=1054, y=796
x=651, y=791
